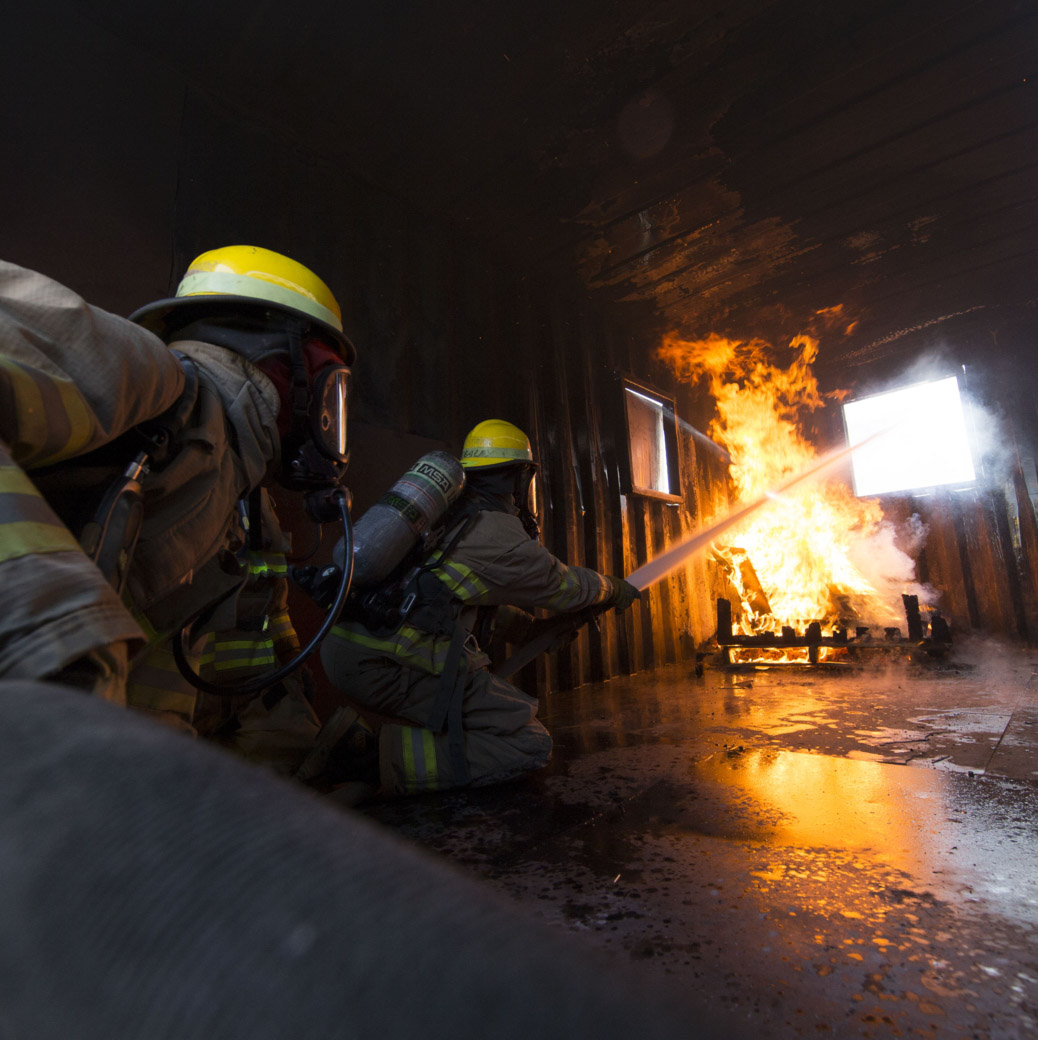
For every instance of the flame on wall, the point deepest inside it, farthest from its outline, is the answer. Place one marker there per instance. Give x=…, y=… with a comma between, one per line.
x=817, y=553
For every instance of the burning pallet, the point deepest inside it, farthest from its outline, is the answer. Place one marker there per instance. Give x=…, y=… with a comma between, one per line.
x=838, y=649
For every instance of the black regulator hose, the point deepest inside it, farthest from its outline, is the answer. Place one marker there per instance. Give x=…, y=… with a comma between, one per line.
x=262, y=682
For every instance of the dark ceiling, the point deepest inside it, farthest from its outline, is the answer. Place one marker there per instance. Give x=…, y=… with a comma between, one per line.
x=742, y=164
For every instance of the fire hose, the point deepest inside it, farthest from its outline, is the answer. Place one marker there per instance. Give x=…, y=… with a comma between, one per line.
x=157, y=887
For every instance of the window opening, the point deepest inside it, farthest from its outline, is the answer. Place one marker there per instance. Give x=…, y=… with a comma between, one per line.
x=652, y=442
x=920, y=439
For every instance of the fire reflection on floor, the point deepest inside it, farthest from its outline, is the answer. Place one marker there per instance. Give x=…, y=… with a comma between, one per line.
x=758, y=839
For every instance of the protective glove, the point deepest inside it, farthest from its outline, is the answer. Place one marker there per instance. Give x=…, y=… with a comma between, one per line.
x=624, y=593
x=512, y=624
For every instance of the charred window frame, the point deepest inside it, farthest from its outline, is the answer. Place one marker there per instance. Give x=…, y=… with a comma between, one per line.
x=652, y=443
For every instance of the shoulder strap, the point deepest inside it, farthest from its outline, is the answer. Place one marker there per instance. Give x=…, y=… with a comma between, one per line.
x=463, y=514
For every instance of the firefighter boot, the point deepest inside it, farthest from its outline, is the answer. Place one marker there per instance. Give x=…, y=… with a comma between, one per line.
x=345, y=752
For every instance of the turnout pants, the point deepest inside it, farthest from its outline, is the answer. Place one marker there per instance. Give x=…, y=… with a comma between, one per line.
x=502, y=736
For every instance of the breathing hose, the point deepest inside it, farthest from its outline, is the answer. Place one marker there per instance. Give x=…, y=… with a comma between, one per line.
x=262, y=682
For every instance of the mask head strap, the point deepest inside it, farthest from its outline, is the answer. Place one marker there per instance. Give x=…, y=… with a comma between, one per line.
x=300, y=386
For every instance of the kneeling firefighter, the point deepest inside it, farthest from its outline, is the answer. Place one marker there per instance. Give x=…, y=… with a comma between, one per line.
x=182, y=416
x=410, y=648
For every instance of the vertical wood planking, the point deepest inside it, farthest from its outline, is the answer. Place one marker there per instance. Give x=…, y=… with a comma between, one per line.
x=1028, y=552
x=945, y=564
x=987, y=587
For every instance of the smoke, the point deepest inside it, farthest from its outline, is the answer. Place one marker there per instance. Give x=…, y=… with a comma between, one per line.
x=996, y=660
x=994, y=449
x=885, y=558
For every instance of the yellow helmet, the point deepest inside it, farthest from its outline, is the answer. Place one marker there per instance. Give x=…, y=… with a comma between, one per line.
x=249, y=276
x=495, y=442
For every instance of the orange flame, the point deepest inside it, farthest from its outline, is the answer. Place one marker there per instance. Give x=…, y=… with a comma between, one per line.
x=797, y=561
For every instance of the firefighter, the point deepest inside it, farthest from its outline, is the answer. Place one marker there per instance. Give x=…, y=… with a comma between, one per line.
x=198, y=403
x=458, y=723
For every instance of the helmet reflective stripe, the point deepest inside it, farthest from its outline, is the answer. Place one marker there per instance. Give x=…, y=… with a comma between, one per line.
x=226, y=283
x=234, y=277
x=520, y=454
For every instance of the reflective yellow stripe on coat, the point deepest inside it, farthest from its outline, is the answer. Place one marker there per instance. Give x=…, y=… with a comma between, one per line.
x=51, y=420
x=463, y=582
x=408, y=645
x=27, y=524
x=266, y=564
x=571, y=592
x=412, y=646
x=283, y=633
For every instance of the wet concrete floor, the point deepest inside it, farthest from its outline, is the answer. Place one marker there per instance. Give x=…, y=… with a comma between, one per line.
x=851, y=854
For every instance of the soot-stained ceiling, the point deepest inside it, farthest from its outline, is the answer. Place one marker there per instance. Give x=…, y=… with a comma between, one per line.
x=741, y=164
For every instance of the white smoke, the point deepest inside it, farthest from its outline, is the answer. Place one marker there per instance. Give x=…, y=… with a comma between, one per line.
x=886, y=559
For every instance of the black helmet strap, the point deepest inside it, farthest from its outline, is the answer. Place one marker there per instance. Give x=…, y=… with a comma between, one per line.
x=300, y=387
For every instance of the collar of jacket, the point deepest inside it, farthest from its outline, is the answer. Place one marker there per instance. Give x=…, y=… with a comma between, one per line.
x=250, y=401
x=493, y=491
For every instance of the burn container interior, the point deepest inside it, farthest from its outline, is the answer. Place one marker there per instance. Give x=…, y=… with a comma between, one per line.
x=516, y=205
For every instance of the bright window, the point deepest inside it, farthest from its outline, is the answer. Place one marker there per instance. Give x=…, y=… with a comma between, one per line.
x=652, y=442
x=919, y=440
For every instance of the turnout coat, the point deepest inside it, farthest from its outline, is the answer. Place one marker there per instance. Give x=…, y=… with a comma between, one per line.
x=73, y=379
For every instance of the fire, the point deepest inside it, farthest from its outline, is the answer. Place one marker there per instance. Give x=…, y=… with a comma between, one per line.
x=801, y=559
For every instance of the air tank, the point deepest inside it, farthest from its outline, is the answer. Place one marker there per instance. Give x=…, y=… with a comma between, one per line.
x=403, y=516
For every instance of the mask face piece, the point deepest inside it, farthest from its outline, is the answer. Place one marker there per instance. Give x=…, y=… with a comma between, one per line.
x=525, y=495
x=315, y=454
x=328, y=411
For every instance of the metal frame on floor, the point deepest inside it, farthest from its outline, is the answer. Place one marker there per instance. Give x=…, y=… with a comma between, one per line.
x=933, y=643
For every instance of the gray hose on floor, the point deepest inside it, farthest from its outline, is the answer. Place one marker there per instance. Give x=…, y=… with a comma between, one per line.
x=153, y=886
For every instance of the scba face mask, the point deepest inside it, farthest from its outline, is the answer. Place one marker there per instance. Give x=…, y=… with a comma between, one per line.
x=315, y=452
x=328, y=412
x=525, y=494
